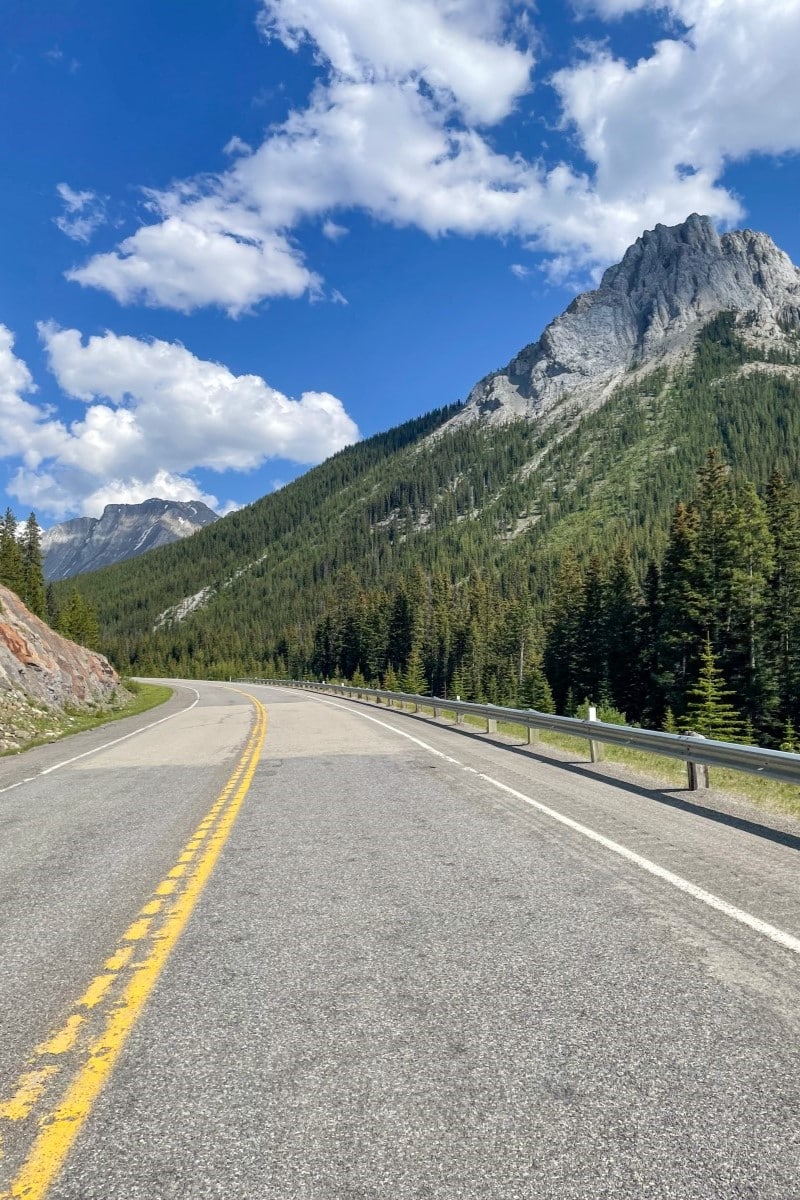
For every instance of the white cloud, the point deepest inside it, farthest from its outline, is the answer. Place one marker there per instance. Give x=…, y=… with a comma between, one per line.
x=397, y=127
x=204, y=251
x=520, y=271
x=726, y=89
x=236, y=145
x=459, y=47
x=333, y=231
x=83, y=213
x=155, y=412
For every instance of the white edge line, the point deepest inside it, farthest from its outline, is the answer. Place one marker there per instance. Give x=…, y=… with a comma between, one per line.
x=787, y=940
x=106, y=745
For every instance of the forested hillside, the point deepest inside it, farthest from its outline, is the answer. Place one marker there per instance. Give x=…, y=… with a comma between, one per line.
x=497, y=526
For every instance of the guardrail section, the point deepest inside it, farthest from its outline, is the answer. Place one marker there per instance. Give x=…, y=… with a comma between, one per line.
x=693, y=749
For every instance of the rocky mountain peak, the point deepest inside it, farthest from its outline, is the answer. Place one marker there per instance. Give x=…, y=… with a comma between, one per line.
x=649, y=306
x=123, y=531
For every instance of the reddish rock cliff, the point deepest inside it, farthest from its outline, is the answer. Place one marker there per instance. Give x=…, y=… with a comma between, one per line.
x=42, y=671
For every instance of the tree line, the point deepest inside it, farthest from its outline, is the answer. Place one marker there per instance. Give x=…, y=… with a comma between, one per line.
x=708, y=633
x=21, y=571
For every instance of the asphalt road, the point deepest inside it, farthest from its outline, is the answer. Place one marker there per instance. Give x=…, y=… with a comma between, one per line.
x=368, y=960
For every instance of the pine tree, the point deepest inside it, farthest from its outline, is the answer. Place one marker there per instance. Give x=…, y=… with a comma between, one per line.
x=591, y=657
x=562, y=625
x=536, y=691
x=708, y=709
x=32, y=576
x=782, y=618
x=670, y=725
x=413, y=678
x=10, y=554
x=79, y=624
x=789, y=740
x=681, y=604
x=623, y=635
x=748, y=666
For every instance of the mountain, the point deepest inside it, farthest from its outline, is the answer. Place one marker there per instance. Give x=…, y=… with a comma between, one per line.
x=41, y=671
x=585, y=441
x=647, y=310
x=123, y=531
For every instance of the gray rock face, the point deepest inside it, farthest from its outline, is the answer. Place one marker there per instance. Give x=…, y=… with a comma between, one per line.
x=123, y=531
x=671, y=281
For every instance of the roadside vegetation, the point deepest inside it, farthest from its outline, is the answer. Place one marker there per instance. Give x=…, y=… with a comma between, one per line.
x=652, y=770
x=50, y=725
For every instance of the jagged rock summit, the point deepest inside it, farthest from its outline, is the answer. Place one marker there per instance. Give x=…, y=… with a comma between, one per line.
x=648, y=307
x=123, y=531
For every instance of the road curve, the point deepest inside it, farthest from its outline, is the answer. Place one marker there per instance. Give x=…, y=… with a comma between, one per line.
x=377, y=957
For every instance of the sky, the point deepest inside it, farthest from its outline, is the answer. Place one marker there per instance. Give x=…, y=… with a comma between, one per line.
x=238, y=235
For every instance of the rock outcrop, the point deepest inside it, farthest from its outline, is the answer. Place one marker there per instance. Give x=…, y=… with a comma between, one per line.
x=123, y=531
x=648, y=307
x=42, y=673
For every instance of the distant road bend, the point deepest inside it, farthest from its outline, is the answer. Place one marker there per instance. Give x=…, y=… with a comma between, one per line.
x=261, y=943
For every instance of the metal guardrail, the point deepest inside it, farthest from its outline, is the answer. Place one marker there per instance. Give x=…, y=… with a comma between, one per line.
x=692, y=749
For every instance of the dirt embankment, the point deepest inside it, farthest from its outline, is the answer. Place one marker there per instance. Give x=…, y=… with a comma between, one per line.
x=42, y=674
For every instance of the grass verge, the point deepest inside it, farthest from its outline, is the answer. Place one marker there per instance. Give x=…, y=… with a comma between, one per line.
x=57, y=725
x=667, y=773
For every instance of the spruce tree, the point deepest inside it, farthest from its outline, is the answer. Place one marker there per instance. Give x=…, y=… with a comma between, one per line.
x=413, y=678
x=681, y=630
x=782, y=616
x=748, y=666
x=623, y=635
x=591, y=658
x=33, y=590
x=10, y=554
x=708, y=708
x=562, y=625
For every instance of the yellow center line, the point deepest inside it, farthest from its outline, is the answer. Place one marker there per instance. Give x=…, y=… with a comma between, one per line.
x=59, y=1128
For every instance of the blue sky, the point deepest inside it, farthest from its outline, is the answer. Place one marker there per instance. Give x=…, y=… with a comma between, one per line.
x=237, y=234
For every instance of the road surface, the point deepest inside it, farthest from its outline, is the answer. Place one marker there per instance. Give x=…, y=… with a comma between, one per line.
x=259, y=943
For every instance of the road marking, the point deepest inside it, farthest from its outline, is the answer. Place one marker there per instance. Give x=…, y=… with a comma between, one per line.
x=111, y=1022
x=780, y=936
x=77, y=757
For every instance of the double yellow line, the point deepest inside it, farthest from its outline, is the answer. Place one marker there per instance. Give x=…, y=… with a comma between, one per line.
x=84, y=1050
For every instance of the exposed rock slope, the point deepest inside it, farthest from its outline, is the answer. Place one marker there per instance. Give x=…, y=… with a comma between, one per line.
x=41, y=671
x=123, y=531
x=649, y=306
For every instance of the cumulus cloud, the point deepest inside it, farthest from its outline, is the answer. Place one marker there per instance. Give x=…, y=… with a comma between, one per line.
x=333, y=231
x=205, y=250
x=400, y=126
x=154, y=413
x=460, y=47
x=83, y=213
x=725, y=89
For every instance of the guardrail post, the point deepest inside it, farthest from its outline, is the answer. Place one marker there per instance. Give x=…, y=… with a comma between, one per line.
x=697, y=773
x=491, y=725
x=437, y=712
x=595, y=748
x=459, y=715
x=534, y=734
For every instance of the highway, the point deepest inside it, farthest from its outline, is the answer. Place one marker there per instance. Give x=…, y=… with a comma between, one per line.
x=259, y=943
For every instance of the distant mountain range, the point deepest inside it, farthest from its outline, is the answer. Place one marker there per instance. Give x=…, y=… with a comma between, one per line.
x=122, y=532
x=586, y=439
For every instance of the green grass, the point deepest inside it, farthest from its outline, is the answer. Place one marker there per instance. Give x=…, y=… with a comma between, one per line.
x=56, y=725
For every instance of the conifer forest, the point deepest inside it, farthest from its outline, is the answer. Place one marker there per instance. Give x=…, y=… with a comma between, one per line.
x=644, y=554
